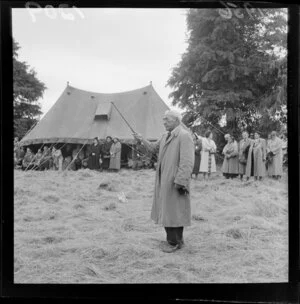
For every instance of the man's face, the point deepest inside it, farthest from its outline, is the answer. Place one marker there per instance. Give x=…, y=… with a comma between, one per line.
x=170, y=122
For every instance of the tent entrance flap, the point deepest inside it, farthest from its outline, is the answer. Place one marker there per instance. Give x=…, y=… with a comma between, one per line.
x=103, y=111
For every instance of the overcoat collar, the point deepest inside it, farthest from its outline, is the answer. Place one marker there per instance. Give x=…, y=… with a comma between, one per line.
x=174, y=133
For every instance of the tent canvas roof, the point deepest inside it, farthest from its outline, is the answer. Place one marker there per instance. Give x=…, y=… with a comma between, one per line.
x=78, y=116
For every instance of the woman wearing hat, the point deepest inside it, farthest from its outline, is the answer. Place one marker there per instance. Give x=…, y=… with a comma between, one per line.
x=115, y=155
x=230, y=167
x=256, y=158
x=274, y=149
x=208, y=162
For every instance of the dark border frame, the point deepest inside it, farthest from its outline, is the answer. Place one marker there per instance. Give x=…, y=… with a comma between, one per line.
x=283, y=292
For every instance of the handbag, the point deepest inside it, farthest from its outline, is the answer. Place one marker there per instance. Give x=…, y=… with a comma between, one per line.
x=243, y=160
x=269, y=157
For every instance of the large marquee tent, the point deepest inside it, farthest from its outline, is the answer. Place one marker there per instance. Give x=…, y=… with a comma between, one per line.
x=78, y=116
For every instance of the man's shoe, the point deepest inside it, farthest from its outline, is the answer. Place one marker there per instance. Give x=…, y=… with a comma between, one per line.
x=169, y=248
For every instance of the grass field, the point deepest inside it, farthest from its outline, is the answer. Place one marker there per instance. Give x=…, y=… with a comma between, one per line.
x=67, y=229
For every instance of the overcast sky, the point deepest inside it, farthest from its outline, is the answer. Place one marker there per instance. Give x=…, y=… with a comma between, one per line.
x=101, y=50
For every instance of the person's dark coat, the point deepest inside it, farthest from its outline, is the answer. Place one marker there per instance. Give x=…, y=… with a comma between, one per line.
x=94, y=157
x=198, y=146
x=105, y=154
x=258, y=148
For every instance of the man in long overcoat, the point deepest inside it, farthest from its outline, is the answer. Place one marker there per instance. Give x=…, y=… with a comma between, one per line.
x=171, y=204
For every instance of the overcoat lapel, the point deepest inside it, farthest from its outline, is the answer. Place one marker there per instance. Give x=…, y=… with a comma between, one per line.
x=165, y=145
x=173, y=134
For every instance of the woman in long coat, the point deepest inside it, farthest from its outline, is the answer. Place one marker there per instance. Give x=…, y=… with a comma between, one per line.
x=208, y=162
x=198, y=147
x=230, y=166
x=275, y=149
x=115, y=155
x=244, y=146
x=256, y=158
x=94, y=156
x=105, y=152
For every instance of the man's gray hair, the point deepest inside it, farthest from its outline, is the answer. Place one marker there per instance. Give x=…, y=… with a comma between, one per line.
x=174, y=114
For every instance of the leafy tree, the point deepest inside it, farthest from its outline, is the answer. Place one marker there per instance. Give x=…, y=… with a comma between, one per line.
x=234, y=70
x=27, y=89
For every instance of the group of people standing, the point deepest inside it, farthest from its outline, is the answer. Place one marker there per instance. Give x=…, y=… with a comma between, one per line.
x=250, y=157
x=106, y=156
x=95, y=157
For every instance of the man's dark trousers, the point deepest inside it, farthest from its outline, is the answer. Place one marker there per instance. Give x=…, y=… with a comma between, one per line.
x=174, y=235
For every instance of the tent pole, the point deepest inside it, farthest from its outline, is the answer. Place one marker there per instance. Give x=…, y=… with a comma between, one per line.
x=123, y=118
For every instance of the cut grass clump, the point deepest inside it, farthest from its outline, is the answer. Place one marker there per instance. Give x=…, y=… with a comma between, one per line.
x=197, y=217
x=108, y=185
x=110, y=206
x=266, y=209
x=234, y=233
x=51, y=198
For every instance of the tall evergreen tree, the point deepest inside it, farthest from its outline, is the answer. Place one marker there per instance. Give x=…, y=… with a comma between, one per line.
x=27, y=89
x=234, y=70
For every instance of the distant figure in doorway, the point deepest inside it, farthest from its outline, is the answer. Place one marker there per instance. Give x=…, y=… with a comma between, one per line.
x=76, y=161
x=46, y=160
x=208, y=162
x=256, y=158
x=37, y=159
x=115, y=155
x=105, y=152
x=27, y=163
x=19, y=155
x=85, y=159
x=67, y=154
x=57, y=159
